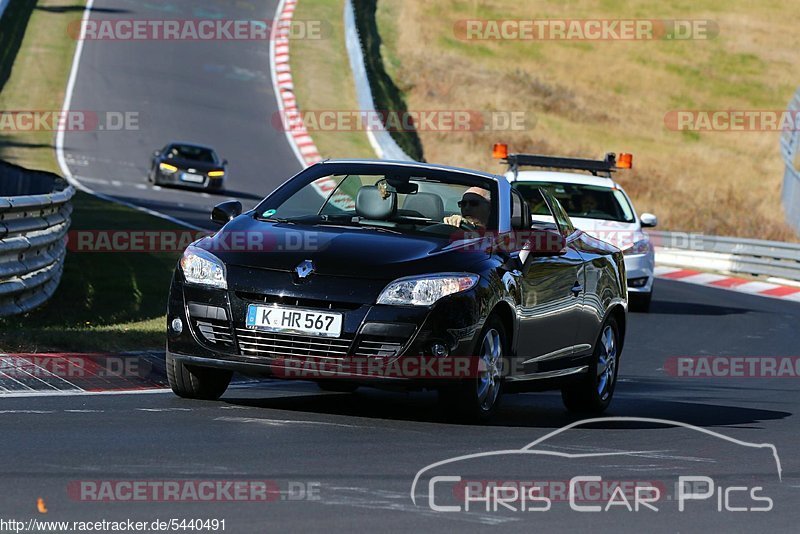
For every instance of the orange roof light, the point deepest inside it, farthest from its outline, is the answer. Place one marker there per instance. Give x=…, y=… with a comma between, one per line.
x=500, y=151
x=625, y=161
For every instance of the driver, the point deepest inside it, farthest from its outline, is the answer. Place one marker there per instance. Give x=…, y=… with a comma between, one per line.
x=475, y=206
x=588, y=203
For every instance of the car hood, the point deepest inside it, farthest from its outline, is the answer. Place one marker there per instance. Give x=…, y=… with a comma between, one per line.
x=339, y=251
x=619, y=234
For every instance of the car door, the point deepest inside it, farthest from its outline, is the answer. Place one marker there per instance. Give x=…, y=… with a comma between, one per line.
x=551, y=299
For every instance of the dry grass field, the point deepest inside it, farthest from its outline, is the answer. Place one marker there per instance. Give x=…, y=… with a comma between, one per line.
x=585, y=98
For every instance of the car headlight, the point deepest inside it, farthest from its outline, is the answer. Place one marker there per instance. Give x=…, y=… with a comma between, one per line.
x=426, y=289
x=216, y=174
x=166, y=167
x=640, y=246
x=202, y=267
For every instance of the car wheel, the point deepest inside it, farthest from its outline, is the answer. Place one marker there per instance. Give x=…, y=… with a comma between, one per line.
x=593, y=392
x=640, y=302
x=477, y=398
x=338, y=387
x=193, y=382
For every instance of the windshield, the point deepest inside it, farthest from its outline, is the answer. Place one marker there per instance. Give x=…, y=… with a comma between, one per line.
x=587, y=201
x=194, y=153
x=399, y=204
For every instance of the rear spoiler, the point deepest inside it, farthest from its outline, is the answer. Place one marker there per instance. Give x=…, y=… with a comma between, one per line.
x=606, y=165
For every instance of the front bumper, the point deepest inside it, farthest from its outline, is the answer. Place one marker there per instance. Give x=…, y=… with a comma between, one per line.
x=208, y=183
x=378, y=343
x=640, y=272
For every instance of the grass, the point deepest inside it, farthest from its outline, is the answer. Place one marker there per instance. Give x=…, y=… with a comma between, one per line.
x=105, y=301
x=38, y=59
x=588, y=98
x=322, y=79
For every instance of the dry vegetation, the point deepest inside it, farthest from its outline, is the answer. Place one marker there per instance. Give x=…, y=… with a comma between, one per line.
x=587, y=98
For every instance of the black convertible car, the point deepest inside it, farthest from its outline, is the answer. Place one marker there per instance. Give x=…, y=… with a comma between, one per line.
x=393, y=273
x=188, y=165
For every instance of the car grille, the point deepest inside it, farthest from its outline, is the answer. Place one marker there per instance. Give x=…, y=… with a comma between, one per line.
x=218, y=333
x=298, y=302
x=381, y=348
x=271, y=344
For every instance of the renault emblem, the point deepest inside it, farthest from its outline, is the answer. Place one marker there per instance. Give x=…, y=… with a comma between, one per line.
x=305, y=268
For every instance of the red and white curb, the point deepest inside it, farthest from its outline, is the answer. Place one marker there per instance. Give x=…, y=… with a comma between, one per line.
x=296, y=132
x=722, y=281
x=289, y=113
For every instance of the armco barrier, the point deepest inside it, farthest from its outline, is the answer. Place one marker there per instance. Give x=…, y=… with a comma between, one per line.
x=34, y=219
x=382, y=142
x=790, y=150
x=731, y=254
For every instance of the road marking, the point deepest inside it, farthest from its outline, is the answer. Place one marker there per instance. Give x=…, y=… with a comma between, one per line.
x=78, y=393
x=164, y=409
x=279, y=422
x=26, y=411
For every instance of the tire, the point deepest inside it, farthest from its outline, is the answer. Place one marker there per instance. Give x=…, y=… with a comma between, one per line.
x=475, y=399
x=593, y=392
x=337, y=387
x=640, y=302
x=191, y=382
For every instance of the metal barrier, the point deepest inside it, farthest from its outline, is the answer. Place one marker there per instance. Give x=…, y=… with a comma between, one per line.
x=34, y=218
x=731, y=254
x=382, y=142
x=790, y=149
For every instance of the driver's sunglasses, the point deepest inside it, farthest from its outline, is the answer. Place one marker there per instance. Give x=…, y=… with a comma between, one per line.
x=470, y=203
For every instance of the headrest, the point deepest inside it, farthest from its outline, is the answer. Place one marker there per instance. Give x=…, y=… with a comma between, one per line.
x=428, y=205
x=370, y=204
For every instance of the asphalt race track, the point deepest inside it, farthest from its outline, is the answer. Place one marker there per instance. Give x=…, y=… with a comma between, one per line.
x=338, y=461
x=217, y=93
x=357, y=454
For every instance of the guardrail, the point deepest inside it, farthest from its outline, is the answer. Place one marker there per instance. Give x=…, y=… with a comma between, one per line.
x=731, y=254
x=790, y=149
x=34, y=218
x=381, y=140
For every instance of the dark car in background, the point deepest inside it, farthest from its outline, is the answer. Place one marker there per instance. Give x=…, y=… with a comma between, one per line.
x=188, y=165
x=395, y=262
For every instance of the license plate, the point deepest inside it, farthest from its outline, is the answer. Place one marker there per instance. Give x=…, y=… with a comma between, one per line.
x=293, y=320
x=189, y=177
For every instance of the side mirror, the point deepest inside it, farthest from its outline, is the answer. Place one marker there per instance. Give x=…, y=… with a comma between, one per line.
x=648, y=220
x=546, y=243
x=156, y=153
x=227, y=211
x=224, y=161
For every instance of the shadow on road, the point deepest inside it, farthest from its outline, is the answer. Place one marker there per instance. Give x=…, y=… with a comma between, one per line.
x=692, y=308
x=539, y=410
x=79, y=9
